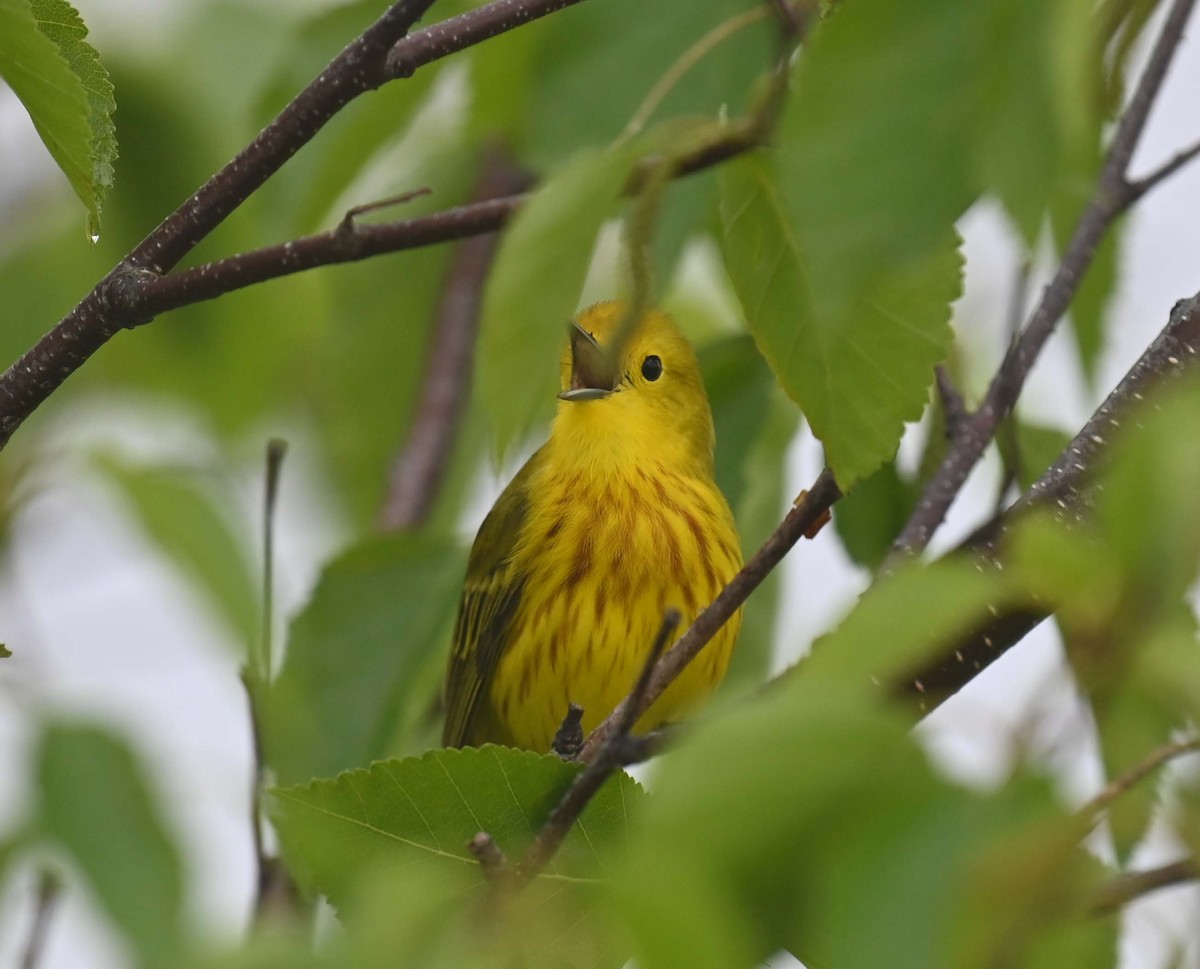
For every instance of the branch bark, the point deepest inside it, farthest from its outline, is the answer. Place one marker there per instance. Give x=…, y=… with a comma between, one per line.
x=1065, y=488
x=1113, y=196
x=1133, y=885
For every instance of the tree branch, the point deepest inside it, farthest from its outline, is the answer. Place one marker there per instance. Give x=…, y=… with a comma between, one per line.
x=1065, y=488
x=418, y=471
x=123, y=297
x=809, y=511
x=1111, y=198
x=1128, y=887
x=46, y=897
x=1119, y=785
x=606, y=761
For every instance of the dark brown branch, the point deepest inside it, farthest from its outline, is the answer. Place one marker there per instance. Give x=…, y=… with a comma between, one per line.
x=1139, y=187
x=810, y=509
x=1131, y=886
x=119, y=300
x=1119, y=785
x=458, y=33
x=607, y=760
x=417, y=474
x=1065, y=489
x=1111, y=198
x=45, y=898
x=954, y=408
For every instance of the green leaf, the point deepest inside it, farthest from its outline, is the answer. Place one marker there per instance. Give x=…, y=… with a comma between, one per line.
x=353, y=672
x=193, y=526
x=95, y=804
x=413, y=819
x=754, y=424
x=831, y=811
x=535, y=285
x=1039, y=131
x=58, y=77
x=1033, y=449
x=1090, y=308
x=859, y=366
x=873, y=514
x=5, y=652
x=590, y=49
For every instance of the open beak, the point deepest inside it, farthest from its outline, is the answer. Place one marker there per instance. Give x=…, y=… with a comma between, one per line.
x=592, y=374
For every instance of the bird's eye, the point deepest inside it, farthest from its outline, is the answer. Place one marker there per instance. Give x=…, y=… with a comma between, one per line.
x=652, y=367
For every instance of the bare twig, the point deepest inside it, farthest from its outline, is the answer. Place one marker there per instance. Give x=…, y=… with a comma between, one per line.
x=1133, y=885
x=46, y=897
x=418, y=471
x=1139, y=187
x=954, y=408
x=466, y=30
x=119, y=300
x=1112, y=197
x=1119, y=785
x=811, y=507
x=274, y=887
x=1065, y=488
x=606, y=761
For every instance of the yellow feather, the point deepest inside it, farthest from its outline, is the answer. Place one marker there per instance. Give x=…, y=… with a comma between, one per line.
x=616, y=518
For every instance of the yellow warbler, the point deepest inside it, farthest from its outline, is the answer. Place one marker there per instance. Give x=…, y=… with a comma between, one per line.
x=616, y=518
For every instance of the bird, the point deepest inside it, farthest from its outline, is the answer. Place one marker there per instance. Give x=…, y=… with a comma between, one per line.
x=612, y=522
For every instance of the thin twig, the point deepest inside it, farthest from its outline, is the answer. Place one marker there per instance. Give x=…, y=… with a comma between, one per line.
x=1133, y=885
x=810, y=508
x=45, y=898
x=418, y=471
x=347, y=223
x=1111, y=198
x=466, y=30
x=273, y=884
x=954, y=407
x=1140, y=186
x=606, y=761
x=1064, y=488
x=1122, y=783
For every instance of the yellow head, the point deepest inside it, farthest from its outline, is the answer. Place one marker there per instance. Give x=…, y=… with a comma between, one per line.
x=647, y=405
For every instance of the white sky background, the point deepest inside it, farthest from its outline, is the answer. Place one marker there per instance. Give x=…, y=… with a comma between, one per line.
x=104, y=628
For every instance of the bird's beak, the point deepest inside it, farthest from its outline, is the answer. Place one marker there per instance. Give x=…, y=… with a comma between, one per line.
x=593, y=375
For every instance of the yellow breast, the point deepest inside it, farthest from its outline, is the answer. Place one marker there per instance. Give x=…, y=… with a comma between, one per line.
x=602, y=555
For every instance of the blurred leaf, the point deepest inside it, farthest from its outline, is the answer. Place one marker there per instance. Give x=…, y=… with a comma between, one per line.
x=1040, y=79
x=858, y=366
x=872, y=515
x=5, y=652
x=188, y=522
x=833, y=812
x=416, y=816
x=595, y=63
x=754, y=425
x=58, y=78
x=95, y=803
x=534, y=288
x=350, y=676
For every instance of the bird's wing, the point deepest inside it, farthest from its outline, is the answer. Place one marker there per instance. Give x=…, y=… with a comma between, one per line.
x=489, y=603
